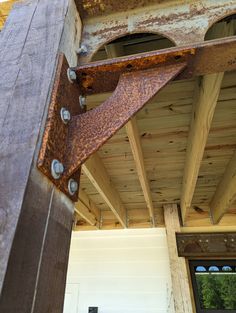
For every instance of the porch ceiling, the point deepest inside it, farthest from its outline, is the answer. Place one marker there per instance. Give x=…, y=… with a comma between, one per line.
x=163, y=128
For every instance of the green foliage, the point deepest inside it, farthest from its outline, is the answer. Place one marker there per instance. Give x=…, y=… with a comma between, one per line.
x=217, y=291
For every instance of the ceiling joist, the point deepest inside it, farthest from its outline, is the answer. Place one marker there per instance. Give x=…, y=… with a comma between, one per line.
x=135, y=143
x=203, y=111
x=87, y=209
x=225, y=193
x=116, y=50
x=95, y=170
x=82, y=210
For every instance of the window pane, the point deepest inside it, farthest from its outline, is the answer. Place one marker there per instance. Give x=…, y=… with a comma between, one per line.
x=216, y=288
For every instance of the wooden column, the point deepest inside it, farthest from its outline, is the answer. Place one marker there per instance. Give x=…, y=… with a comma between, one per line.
x=178, y=266
x=35, y=218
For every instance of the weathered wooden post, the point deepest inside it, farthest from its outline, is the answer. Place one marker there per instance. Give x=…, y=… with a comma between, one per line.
x=35, y=218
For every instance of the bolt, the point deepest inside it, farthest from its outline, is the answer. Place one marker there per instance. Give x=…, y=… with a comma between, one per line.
x=65, y=115
x=82, y=50
x=72, y=186
x=82, y=102
x=57, y=169
x=71, y=74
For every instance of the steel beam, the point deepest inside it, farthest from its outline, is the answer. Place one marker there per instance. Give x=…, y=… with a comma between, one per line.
x=203, y=58
x=206, y=244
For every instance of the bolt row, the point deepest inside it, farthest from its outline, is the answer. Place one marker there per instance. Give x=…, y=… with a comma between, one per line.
x=57, y=168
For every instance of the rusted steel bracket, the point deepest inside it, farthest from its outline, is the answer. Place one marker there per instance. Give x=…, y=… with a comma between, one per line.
x=70, y=144
x=89, y=131
x=206, y=244
x=136, y=79
x=56, y=133
x=203, y=58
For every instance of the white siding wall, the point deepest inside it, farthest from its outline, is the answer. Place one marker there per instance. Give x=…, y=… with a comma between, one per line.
x=120, y=271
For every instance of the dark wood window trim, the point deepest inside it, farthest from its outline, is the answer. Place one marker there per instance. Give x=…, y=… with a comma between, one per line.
x=207, y=263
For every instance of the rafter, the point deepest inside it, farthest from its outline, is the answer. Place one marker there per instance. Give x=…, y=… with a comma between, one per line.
x=135, y=143
x=86, y=208
x=82, y=210
x=116, y=50
x=203, y=111
x=89, y=203
x=95, y=170
x=225, y=193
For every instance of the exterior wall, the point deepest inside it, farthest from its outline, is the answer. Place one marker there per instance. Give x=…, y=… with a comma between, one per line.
x=119, y=271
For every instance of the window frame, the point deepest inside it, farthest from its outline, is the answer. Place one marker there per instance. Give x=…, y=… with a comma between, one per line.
x=207, y=262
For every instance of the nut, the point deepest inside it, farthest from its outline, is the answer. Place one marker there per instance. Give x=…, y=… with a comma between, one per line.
x=71, y=74
x=72, y=186
x=82, y=102
x=57, y=169
x=65, y=115
x=82, y=50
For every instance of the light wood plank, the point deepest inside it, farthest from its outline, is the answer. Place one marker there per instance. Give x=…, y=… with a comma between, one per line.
x=89, y=203
x=207, y=229
x=178, y=266
x=225, y=192
x=87, y=209
x=203, y=111
x=116, y=50
x=94, y=169
x=82, y=210
x=135, y=143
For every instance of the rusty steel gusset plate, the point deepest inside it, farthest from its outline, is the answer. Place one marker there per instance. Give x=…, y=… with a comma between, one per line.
x=72, y=143
x=92, y=129
x=203, y=58
x=54, y=142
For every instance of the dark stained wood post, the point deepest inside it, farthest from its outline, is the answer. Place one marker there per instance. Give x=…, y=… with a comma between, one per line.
x=35, y=218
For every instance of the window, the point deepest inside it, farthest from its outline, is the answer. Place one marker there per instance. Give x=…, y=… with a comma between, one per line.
x=214, y=285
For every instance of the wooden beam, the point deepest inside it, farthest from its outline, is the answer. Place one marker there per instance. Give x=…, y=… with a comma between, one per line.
x=179, y=273
x=110, y=196
x=203, y=110
x=82, y=210
x=116, y=50
x=89, y=203
x=95, y=170
x=135, y=143
x=87, y=209
x=225, y=193
x=35, y=218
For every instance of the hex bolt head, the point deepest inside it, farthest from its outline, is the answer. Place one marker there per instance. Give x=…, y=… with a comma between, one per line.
x=82, y=50
x=82, y=102
x=65, y=115
x=71, y=74
x=72, y=186
x=57, y=169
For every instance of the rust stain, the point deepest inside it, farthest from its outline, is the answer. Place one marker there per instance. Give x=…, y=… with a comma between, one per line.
x=202, y=58
x=103, y=76
x=91, y=130
x=89, y=8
